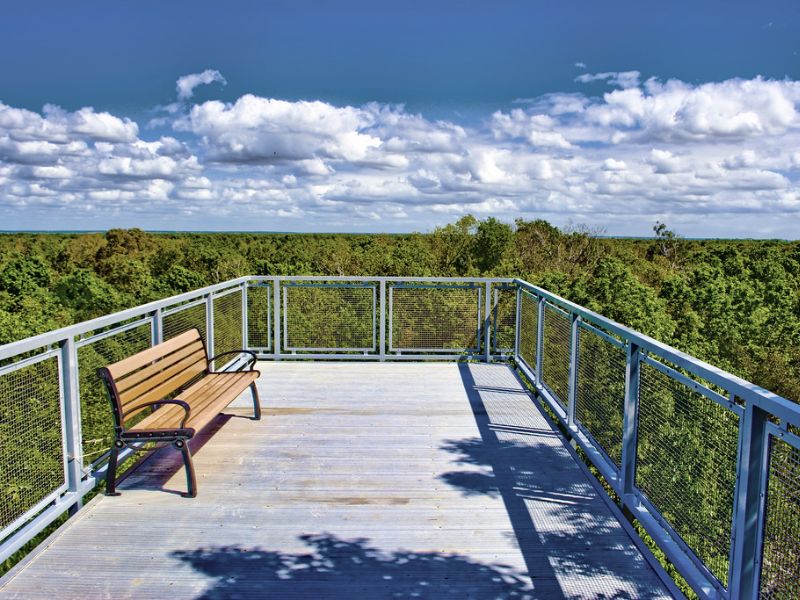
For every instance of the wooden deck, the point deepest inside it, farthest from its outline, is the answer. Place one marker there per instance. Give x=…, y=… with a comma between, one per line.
x=362, y=481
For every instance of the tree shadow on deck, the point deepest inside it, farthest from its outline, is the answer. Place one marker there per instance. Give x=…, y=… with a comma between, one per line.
x=562, y=527
x=336, y=568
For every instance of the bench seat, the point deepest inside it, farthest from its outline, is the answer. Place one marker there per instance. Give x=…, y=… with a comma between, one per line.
x=207, y=398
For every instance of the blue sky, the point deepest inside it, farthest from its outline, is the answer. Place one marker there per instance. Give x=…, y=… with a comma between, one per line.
x=375, y=116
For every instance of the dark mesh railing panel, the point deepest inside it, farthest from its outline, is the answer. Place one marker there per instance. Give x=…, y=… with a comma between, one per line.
x=329, y=317
x=555, y=356
x=31, y=443
x=686, y=464
x=228, y=323
x=435, y=318
x=528, y=327
x=259, y=323
x=600, y=395
x=97, y=423
x=504, y=319
x=176, y=323
x=780, y=568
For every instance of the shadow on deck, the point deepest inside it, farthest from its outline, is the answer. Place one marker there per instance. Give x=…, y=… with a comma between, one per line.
x=374, y=480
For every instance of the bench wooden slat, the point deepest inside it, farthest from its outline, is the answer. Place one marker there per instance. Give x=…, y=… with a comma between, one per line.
x=140, y=359
x=200, y=394
x=195, y=362
x=221, y=384
x=167, y=388
x=205, y=403
x=126, y=382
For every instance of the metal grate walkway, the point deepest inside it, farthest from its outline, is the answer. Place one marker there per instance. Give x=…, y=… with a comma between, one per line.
x=411, y=480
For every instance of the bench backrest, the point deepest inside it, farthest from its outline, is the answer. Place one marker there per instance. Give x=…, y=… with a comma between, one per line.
x=153, y=374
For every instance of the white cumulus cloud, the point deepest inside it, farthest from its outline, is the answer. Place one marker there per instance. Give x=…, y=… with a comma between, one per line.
x=697, y=155
x=186, y=84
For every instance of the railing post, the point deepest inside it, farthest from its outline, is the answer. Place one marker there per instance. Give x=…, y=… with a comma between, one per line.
x=629, y=421
x=751, y=476
x=539, y=341
x=389, y=318
x=382, y=347
x=72, y=417
x=487, y=322
x=276, y=303
x=573, y=370
x=157, y=328
x=245, y=328
x=517, y=318
x=210, y=324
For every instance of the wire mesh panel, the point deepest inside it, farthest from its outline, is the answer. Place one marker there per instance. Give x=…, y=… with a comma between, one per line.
x=780, y=565
x=434, y=318
x=686, y=463
x=31, y=439
x=228, y=322
x=504, y=319
x=329, y=316
x=97, y=423
x=184, y=319
x=556, y=351
x=259, y=322
x=528, y=327
x=600, y=395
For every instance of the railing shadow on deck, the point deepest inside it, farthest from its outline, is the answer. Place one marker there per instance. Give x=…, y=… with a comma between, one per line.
x=336, y=568
x=516, y=471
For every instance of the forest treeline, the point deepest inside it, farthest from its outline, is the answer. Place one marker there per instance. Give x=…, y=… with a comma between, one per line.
x=733, y=303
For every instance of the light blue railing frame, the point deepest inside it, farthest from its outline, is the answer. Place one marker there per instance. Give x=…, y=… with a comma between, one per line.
x=63, y=344
x=755, y=406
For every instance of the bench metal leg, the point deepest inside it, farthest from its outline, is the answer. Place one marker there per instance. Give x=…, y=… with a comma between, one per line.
x=256, y=401
x=111, y=471
x=191, y=483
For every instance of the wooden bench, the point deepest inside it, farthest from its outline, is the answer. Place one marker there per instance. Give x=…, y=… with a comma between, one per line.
x=176, y=381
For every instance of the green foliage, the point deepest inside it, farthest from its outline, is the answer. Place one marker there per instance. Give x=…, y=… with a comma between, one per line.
x=24, y=275
x=667, y=245
x=178, y=279
x=615, y=292
x=87, y=294
x=492, y=241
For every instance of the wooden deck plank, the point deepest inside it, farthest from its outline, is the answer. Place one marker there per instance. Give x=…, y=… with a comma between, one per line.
x=380, y=480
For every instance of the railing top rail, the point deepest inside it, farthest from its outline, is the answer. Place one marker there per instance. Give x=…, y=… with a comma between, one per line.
x=777, y=405
x=58, y=335
x=750, y=392
x=380, y=278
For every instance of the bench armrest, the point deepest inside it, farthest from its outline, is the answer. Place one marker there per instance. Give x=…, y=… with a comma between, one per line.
x=146, y=435
x=186, y=409
x=249, y=363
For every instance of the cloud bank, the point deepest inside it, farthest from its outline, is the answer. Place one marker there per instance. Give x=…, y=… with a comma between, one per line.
x=719, y=159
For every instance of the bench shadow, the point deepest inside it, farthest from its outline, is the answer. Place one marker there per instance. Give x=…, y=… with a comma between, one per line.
x=155, y=471
x=345, y=569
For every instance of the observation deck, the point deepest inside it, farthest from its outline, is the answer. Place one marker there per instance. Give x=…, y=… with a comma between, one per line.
x=421, y=438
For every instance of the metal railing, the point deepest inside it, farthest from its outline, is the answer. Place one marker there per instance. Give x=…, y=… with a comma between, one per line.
x=709, y=464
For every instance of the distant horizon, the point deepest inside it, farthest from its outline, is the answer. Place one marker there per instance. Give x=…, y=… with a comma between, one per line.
x=395, y=233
